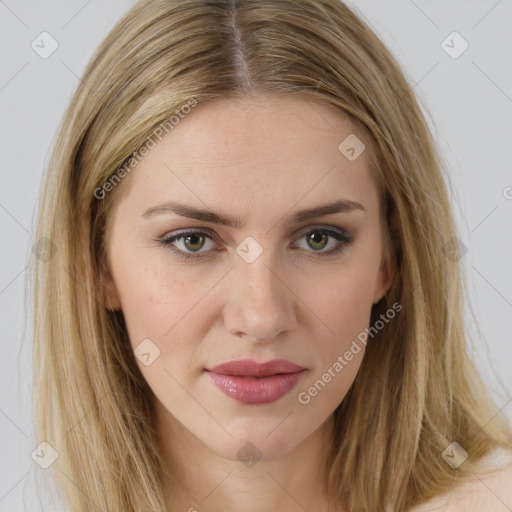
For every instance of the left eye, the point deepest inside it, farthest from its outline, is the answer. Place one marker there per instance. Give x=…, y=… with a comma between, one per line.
x=318, y=239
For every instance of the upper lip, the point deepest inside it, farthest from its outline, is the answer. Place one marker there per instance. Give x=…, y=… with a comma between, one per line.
x=251, y=368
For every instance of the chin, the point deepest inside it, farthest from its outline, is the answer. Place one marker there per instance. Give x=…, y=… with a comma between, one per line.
x=251, y=448
x=257, y=438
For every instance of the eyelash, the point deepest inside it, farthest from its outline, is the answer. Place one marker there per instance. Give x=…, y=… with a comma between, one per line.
x=340, y=236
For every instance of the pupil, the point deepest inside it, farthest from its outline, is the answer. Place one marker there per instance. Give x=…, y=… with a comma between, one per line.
x=192, y=239
x=314, y=238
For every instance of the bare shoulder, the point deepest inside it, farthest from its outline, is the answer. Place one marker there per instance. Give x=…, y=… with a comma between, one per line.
x=492, y=491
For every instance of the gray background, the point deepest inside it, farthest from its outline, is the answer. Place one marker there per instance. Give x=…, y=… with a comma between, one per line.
x=468, y=101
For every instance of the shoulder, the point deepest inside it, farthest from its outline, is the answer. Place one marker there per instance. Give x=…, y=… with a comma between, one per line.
x=492, y=491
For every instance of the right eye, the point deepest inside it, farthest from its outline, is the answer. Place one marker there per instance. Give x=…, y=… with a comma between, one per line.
x=187, y=243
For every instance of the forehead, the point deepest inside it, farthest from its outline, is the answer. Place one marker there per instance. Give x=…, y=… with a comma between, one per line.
x=260, y=127
x=259, y=152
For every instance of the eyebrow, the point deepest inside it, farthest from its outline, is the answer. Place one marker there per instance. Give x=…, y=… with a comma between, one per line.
x=340, y=206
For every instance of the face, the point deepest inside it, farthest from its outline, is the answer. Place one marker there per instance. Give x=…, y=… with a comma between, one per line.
x=246, y=252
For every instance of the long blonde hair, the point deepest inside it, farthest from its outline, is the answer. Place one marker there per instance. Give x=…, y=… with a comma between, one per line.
x=416, y=391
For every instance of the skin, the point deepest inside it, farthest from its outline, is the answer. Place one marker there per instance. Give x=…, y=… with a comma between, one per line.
x=260, y=159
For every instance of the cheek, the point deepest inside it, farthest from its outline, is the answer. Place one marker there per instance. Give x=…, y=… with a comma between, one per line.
x=344, y=305
x=156, y=300
x=165, y=317
x=345, y=310
x=344, y=302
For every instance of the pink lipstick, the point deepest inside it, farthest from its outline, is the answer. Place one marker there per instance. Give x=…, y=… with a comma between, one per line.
x=254, y=383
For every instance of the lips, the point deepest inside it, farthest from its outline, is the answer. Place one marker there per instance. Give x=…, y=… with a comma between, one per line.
x=254, y=383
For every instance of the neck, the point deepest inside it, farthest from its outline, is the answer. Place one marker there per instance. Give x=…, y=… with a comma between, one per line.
x=198, y=479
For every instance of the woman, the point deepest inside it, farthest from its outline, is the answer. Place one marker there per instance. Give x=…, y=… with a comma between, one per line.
x=254, y=300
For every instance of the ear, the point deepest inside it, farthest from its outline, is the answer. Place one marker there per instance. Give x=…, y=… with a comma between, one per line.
x=108, y=287
x=388, y=267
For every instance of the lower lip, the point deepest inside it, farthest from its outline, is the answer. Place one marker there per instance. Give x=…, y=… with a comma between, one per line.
x=256, y=391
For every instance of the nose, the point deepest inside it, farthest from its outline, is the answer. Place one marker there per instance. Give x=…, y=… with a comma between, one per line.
x=261, y=304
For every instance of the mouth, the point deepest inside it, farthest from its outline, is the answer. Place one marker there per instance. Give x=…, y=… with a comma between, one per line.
x=253, y=383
